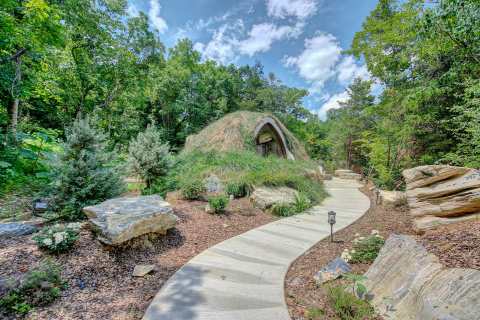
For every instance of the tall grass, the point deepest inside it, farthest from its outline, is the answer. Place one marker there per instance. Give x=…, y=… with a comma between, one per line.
x=243, y=168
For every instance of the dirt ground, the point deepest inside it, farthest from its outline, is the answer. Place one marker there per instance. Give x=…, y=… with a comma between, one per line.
x=301, y=290
x=100, y=282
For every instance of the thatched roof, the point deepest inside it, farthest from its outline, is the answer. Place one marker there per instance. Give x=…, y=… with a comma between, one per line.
x=238, y=130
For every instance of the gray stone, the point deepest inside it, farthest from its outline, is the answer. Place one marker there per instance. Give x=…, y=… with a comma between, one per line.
x=265, y=197
x=333, y=270
x=347, y=174
x=142, y=270
x=122, y=219
x=213, y=184
x=14, y=229
x=407, y=282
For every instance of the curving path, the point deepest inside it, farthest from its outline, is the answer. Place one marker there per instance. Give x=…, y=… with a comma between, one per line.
x=242, y=278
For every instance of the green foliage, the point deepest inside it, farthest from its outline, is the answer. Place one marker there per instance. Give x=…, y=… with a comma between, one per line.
x=246, y=167
x=283, y=210
x=39, y=287
x=192, y=190
x=148, y=156
x=314, y=314
x=302, y=203
x=366, y=249
x=347, y=306
x=218, y=203
x=358, y=288
x=57, y=238
x=238, y=189
x=84, y=174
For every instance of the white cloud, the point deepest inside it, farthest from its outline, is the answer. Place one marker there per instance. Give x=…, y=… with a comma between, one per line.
x=153, y=14
x=223, y=45
x=349, y=70
x=261, y=37
x=332, y=103
x=316, y=64
x=288, y=8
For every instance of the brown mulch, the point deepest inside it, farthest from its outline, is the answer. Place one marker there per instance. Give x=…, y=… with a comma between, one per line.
x=100, y=282
x=456, y=246
x=301, y=290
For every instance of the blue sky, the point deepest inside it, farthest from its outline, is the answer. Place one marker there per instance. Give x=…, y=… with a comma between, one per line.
x=301, y=41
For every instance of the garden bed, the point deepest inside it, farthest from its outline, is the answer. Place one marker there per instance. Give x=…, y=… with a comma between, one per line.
x=100, y=282
x=304, y=298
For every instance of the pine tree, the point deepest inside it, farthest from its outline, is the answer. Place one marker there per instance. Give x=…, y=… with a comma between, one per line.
x=148, y=156
x=84, y=175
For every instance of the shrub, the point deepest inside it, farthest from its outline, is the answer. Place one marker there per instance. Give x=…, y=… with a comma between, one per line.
x=57, y=238
x=192, y=190
x=238, y=189
x=83, y=175
x=314, y=314
x=302, y=202
x=218, y=203
x=365, y=249
x=347, y=306
x=38, y=287
x=283, y=210
x=148, y=156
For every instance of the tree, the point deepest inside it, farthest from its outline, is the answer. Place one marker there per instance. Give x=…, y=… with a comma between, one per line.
x=148, y=156
x=84, y=174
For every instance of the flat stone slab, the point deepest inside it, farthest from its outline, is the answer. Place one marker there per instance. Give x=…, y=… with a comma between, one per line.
x=142, y=270
x=122, y=219
x=14, y=229
x=242, y=278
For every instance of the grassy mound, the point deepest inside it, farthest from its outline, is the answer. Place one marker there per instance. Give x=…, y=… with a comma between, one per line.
x=235, y=132
x=240, y=172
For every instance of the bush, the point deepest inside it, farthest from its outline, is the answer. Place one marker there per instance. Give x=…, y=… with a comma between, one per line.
x=57, y=238
x=148, y=156
x=302, y=202
x=192, y=190
x=38, y=287
x=218, y=203
x=84, y=175
x=347, y=306
x=283, y=210
x=238, y=189
x=365, y=249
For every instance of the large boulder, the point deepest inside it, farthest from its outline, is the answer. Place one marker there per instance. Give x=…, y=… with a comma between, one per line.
x=122, y=219
x=265, y=197
x=406, y=282
x=441, y=194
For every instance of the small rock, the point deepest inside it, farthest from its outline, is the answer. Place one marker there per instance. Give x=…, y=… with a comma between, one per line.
x=333, y=270
x=213, y=184
x=142, y=270
x=226, y=225
x=15, y=229
x=208, y=209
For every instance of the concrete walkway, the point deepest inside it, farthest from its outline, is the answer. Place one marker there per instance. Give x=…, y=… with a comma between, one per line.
x=242, y=278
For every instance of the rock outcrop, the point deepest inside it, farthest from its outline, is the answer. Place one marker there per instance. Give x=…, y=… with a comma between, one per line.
x=440, y=194
x=406, y=282
x=347, y=174
x=265, y=197
x=122, y=219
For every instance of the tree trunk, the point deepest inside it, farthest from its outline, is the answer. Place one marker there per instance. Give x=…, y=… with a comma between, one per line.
x=14, y=116
x=16, y=83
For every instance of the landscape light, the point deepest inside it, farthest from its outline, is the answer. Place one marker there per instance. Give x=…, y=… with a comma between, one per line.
x=331, y=221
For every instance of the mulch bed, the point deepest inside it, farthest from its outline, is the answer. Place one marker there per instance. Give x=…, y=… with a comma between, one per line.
x=301, y=290
x=100, y=282
x=456, y=246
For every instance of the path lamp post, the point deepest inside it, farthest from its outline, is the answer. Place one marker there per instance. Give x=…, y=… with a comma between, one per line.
x=331, y=221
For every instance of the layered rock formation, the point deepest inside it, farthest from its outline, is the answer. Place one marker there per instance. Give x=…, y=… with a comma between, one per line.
x=122, y=219
x=406, y=282
x=440, y=194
